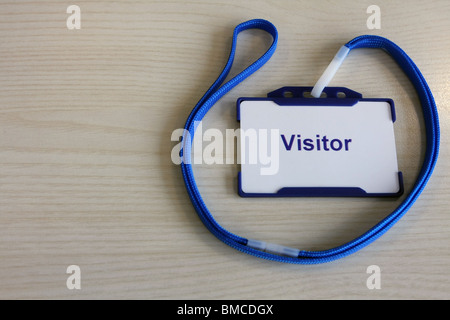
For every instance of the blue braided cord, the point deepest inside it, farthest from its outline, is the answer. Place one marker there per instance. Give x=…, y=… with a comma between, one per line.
x=215, y=92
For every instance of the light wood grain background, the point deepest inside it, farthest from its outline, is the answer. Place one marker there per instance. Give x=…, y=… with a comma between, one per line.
x=86, y=177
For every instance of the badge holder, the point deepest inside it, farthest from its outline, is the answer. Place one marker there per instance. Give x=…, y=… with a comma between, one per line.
x=340, y=145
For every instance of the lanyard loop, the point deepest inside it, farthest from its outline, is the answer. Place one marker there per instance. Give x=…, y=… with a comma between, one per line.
x=290, y=255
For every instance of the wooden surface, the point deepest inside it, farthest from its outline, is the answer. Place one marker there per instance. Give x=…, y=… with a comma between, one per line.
x=86, y=177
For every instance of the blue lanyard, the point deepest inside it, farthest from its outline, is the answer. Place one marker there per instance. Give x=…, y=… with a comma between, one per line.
x=291, y=255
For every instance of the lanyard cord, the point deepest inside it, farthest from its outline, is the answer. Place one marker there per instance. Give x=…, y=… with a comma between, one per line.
x=290, y=255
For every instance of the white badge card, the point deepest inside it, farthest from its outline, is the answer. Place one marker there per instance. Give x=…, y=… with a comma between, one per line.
x=338, y=145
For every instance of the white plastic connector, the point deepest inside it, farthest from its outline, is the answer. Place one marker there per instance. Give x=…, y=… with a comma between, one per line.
x=282, y=250
x=330, y=71
x=256, y=244
x=273, y=248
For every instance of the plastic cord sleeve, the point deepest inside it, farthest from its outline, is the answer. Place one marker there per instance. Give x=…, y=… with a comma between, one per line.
x=330, y=71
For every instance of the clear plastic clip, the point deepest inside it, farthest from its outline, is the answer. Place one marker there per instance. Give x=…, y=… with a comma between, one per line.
x=330, y=71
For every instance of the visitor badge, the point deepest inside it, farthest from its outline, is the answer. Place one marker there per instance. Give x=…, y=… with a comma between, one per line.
x=340, y=144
